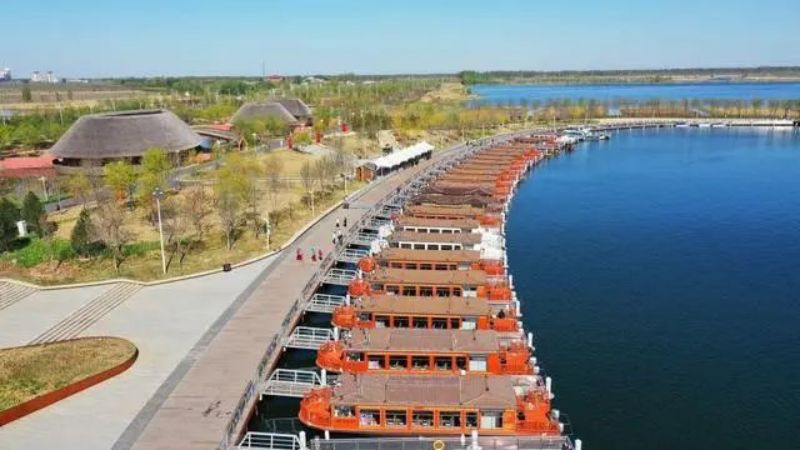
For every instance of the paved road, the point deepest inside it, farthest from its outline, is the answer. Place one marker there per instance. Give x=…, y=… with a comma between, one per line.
x=166, y=322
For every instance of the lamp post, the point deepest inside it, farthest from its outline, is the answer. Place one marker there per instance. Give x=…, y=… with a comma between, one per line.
x=158, y=194
x=44, y=188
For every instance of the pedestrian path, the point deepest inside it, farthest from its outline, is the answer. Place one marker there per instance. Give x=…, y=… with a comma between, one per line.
x=11, y=293
x=88, y=314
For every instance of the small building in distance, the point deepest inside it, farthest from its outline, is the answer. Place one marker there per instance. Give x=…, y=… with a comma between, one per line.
x=292, y=111
x=98, y=139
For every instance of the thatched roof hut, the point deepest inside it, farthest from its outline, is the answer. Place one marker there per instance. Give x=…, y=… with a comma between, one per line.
x=296, y=107
x=263, y=110
x=124, y=135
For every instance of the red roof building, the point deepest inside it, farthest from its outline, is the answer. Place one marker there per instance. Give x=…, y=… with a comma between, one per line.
x=27, y=167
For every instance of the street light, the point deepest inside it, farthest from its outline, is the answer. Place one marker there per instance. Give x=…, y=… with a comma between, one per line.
x=158, y=194
x=44, y=188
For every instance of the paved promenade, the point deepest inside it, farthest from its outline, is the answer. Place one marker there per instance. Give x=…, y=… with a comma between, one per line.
x=165, y=321
x=195, y=414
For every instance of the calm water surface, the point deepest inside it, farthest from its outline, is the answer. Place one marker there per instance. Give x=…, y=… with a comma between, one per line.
x=513, y=94
x=659, y=274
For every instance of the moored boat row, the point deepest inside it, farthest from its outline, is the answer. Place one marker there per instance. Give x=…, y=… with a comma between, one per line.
x=428, y=340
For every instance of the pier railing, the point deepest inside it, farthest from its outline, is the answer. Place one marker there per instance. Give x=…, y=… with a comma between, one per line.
x=426, y=443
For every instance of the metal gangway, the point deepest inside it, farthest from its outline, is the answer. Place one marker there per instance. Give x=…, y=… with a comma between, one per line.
x=365, y=239
x=272, y=441
x=293, y=383
x=340, y=277
x=324, y=303
x=352, y=255
x=308, y=338
x=377, y=222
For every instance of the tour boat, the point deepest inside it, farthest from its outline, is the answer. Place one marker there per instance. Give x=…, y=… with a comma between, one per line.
x=426, y=283
x=452, y=313
x=404, y=258
x=427, y=350
x=402, y=405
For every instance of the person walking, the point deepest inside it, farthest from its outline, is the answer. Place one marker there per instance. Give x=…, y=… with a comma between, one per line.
x=313, y=254
x=299, y=254
x=319, y=254
x=337, y=224
x=334, y=238
x=345, y=221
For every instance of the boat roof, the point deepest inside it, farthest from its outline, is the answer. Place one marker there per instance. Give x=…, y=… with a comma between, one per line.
x=382, y=390
x=405, y=254
x=447, y=238
x=443, y=209
x=466, y=224
x=403, y=304
x=425, y=340
x=429, y=277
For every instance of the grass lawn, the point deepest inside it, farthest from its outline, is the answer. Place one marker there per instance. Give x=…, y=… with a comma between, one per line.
x=28, y=372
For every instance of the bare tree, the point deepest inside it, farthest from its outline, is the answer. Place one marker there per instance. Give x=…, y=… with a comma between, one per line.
x=309, y=179
x=108, y=225
x=176, y=227
x=196, y=207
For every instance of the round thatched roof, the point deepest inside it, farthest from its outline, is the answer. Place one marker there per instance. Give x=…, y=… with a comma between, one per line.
x=262, y=110
x=295, y=106
x=125, y=134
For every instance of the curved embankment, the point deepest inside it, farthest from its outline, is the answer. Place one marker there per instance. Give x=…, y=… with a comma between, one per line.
x=36, y=376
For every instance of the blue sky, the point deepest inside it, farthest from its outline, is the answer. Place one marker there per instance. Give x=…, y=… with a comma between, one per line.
x=92, y=38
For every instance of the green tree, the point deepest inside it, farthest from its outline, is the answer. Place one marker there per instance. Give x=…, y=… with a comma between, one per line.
x=33, y=213
x=230, y=190
x=119, y=176
x=27, y=96
x=9, y=215
x=80, y=237
x=79, y=187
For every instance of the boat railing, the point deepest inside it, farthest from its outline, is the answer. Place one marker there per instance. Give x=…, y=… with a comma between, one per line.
x=426, y=443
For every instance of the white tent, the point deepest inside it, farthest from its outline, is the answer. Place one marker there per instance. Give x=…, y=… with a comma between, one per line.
x=396, y=159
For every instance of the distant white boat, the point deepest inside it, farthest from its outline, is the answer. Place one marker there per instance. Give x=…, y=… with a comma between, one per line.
x=719, y=125
x=704, y=125
x=682, y=125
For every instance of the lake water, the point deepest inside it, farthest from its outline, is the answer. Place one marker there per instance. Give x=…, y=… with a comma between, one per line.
x=659, y=274
x=505, y=94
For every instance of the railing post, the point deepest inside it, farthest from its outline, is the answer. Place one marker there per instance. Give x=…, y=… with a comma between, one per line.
x=474, y=441
x=578, y=444
x=302, y=437
x=324, y=377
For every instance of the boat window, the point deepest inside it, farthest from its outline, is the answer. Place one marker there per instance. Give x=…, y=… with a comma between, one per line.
x=446, y=231
x=441, y=267
x=396, y=265
x=401, y=322
x=410, y=290
x=422, y=418
x=411, y=266
x=434, y=230
x=355, y=356
x=396, y=418
x=398, y=362
x=446, y=247
x=344, y=411
x=491, y=419
x=419, y=246
x=443, y=362
x=393, y=289
x=425, y=267
x=468, y=324
x=471, y=419
x=370, y=417
x=455, y=323
x=477, y=364
x=456, y=292
x=420, y=362
x=439, y=323
x=377, y=362
x=450, y=419
x=381, y=321
x=453, y=267
x=364, y=317
x=426, y=291
x=420, y=322
x=461, y=362
x=442, y=292
x=405, y=245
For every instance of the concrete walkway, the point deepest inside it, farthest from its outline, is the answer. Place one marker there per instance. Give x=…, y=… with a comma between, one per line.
x=166, y=322
x=196, y=413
